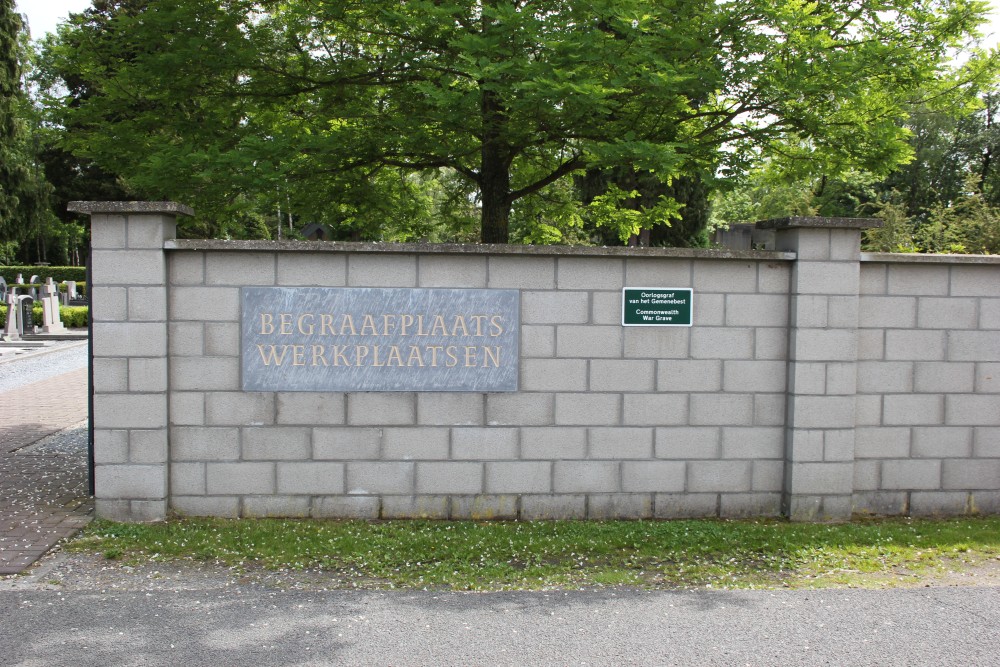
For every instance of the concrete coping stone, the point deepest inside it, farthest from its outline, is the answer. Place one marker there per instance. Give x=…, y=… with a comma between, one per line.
x=475, y=249
x=819, y=223
x=126, y=207
x=920, y=258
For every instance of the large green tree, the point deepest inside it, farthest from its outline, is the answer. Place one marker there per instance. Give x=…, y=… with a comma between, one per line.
x=330, y=104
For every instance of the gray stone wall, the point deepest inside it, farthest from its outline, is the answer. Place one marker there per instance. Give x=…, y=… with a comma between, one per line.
x=928, y=436
x=813, y=383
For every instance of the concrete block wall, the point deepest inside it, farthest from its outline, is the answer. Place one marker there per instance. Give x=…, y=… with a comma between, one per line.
x=928, y=395
x=813, y=383
x=608, y=421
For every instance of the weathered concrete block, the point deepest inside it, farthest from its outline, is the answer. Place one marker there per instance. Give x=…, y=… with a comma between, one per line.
x=867, y=475
x=724, y=276
x=972, y=410
x=987, y=379
x=276, y=443
x=657, y=409
x=108, y=304
x=110, y=446
x=620, y=506
x=187, y=479
x=131, y=481
x=820, y=478
x=553, y=443
x=915, y=345
x=150, y=231
x=450, y=477
x=450, y=409
x=230, y=408
x=871, y=344
x=147, y=304
x=971, y=474
x=349, y=507
x=868, y=410
x=768, y=476
x=588, y=273
x=881, y=503
x=587, y=409
x=986, y=442
x=874, y=278
x=346, y=443
x=989, y=313
x=555, y=307
x=128, y=267
x=743, y=505
x=186, y=268
x=805, y=444
x=204, y=304
x=773, y=278
x=522, y=272
x=221, y=506
x=382, y=271
x=606, y=308
x=822, y=411
x=239, y=478
x=939, y=503
x=838, y=445
x=878, y=442
x=656, y=342
x=810, y=311
x=754, y=376
x=538, y=342
x=753, y=442
x=372, y=409
x=186, y=339
x=147, y=375
x=415, y=443
x=662, y=272
x=484, y=444
x=367, y=478
x=187, y=408
x=558, y=507
x=311, y=478
x=130, y=411
x=909, y=474
x=276, y=506
x=483, y=507
x=310, y=408
x=807, y=244
x=972, y=280
x=769, y=409
x=204, y=374
x=689, y=375
x=845, y=244
x=415, y=507
x=222, y=339
x=721, y=409
x=685, y=505
x=148, y=446
x=841, y=379
x=108, y=231
x=823, y=345
x=942, y=442
x=312, y=270
x=622, y=375
x=753, y=310
x=588, y=341
x=719, y=476
x=688, y=442
x=880, y=312
x=807, y=377
x=709, y=310
x=653, y=476
x=917, y=280
x=553, y=375
x=520, y=409
x=110, y=375
x=826, y=277
x=586, y=477
x=885, y=377
x=725, y=343
x=844, y=312
x=451, y=271
x=947, y=313
x=130, y=339
x=506, y=477
x=973, y=346
x=620, y=443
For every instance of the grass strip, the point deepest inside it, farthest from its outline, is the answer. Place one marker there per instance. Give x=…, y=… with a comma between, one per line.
x=468, y=555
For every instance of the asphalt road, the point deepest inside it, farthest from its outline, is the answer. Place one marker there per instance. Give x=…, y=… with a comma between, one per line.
x=930, y=626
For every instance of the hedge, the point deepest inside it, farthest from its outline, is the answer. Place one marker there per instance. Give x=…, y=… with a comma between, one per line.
x=57, y=273
x=81, y=288
x=74, y=317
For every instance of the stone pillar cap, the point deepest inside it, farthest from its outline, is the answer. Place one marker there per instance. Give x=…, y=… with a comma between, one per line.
x=125, y=207
x=819, y=223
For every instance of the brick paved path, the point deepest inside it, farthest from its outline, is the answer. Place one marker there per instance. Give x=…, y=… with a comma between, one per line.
x=43, y=467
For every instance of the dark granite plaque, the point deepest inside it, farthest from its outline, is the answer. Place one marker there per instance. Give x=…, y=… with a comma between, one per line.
x=379, y=339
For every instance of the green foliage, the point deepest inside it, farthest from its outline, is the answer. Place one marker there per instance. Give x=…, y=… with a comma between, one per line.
x=57, y=273
x=327, y=110
x=540, y=555
x=895, y=234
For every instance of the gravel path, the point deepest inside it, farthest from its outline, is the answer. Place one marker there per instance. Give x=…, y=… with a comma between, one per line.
x=34, y=365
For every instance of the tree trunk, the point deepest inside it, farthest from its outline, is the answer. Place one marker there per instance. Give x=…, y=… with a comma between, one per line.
x=494, y=172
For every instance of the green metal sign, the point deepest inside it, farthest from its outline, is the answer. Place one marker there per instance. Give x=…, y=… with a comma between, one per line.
x=657, y=306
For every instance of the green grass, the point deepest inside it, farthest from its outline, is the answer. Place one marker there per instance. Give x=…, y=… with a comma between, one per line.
x=537, y=555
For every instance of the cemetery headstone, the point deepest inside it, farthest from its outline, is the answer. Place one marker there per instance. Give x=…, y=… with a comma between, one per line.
x=3, y=289
x=26, y=303
x=11, y=330
x=50, y=309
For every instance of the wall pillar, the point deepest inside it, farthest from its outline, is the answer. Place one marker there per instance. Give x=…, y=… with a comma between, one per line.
x=128, y=310
x=822, y=364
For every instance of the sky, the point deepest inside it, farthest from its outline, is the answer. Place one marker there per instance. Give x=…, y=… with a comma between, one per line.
x=44, y=15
